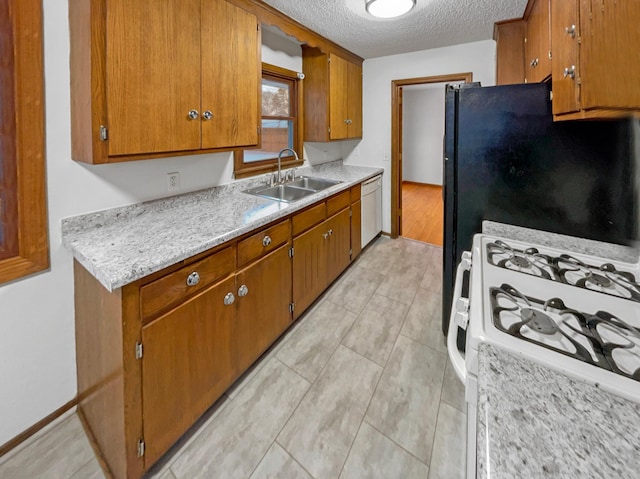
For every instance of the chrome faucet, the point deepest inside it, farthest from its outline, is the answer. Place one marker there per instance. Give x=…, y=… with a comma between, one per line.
x=295, y=155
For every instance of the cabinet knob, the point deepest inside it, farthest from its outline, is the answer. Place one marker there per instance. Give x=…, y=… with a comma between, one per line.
x=193, y=114
x=266, y=241
x=534, y=63
x=229, y=299
x=571, y=31
x=570, y=72
x=325, y=235
x=193, y=279
x=207, y=115
x=243, y=291
x=330, y=232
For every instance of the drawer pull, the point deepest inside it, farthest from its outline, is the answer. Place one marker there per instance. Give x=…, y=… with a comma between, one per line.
x=243, y=290
x=193, y=279
x=570, y=72
x=571, y=31
x=229, y=299
x=266, y=241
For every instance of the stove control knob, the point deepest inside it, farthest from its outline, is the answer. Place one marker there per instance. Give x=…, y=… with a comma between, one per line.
x=462, y=305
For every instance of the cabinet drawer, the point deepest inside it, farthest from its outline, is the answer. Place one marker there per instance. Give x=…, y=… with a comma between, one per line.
x=173, y=288
x=338, y=202
x=311, y=217
x=263, y=242
x=356, y=192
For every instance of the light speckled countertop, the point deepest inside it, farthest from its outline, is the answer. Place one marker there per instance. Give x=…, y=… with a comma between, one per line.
x=121, y=245
x=536, y=422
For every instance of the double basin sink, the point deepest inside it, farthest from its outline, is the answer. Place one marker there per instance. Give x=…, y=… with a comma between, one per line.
x=293, y=190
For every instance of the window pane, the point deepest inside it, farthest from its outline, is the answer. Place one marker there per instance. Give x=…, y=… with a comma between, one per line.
x=276, y=135
x=275, y=98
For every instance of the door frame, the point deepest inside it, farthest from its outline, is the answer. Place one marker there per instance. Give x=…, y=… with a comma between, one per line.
x=396, y=138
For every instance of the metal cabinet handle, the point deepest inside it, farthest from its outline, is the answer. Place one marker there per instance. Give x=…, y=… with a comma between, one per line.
x=193, y=279
x=571, y=31
x=229, y=299
x=266, y=241
x=207, y=115
x=325, y=235
x=330, y=232
x=243, y=291
x=193, y=114
x=570, y=72
x=534, y=62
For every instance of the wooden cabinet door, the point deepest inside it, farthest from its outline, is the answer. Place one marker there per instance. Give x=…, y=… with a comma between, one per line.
x=231, y=75
x=263, y=307
x=309, y=267
x=565, y=34
x=338, y=88
x=153, y=75
x=510, y=58
x=339, y=244
x=354, y=100
x=187, y=364
x=356, y=229
x=538, y=43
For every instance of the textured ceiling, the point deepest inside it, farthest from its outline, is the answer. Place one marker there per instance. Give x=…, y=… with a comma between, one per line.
x=431, y=24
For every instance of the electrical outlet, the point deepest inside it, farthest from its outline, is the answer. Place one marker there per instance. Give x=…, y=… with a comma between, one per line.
x=173, y=182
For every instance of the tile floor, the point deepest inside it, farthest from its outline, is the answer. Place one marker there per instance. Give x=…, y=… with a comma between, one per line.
x=360, y=387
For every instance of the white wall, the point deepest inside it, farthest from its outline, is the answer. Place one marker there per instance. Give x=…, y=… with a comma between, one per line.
x=375, y=147
x=422, y=133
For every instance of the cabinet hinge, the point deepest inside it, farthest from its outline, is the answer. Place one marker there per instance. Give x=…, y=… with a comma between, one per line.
x=257, y=26
x=292, y=307
x=549, y=54
x=329, y=130
x=138, y=350
x=551, y=95
x=104, y=134
x=350, y=251
x=291, y=252
x=141, y=447
x=350, y=212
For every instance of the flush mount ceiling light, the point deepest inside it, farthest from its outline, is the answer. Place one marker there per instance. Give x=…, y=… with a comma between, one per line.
x=389, y=8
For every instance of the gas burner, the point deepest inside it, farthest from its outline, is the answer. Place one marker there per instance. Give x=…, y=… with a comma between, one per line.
x=600, y=339
x=604, y=278
x=529, y=261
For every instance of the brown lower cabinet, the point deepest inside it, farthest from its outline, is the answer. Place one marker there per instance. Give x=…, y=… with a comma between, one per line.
x=154, y=355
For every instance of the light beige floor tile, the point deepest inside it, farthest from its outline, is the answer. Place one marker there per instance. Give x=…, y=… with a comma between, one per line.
x=278, y=464
x=91, y=470
x=405, y=404
x=416, y=253
x=59, y=453
x=424, y=323
x=375, y=456
x=354, y=290
x=308, y=349
x=401, y=283
x=381, y=255
x=453, y=389
x=449, y=448
x=376, y=329
x=232, y=445
x=325, y=424
x=432, y=279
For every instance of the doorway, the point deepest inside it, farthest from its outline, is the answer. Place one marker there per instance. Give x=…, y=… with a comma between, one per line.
x=419, y=216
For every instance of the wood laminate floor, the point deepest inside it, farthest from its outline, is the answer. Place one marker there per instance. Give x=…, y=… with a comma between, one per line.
x=360, y=388
x=422, y=212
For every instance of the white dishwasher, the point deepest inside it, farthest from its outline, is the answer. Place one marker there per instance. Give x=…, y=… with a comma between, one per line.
x=371, y=209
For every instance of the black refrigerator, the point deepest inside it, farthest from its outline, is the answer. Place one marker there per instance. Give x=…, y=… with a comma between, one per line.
x=505, y=160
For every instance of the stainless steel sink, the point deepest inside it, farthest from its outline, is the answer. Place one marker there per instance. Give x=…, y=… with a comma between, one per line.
x=293, y=190
x=312, y=183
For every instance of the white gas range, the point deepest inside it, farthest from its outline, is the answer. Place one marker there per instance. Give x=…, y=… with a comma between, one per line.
x=574, y=313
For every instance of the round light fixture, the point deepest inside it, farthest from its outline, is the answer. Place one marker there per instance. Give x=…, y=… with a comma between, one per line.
x=389, y=8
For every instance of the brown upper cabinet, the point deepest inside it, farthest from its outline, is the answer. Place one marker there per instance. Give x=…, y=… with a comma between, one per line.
x=596, y=60
x=509, y=37
x=332, y=96
x=152, y=79
x=594, y=55
x=537, y=43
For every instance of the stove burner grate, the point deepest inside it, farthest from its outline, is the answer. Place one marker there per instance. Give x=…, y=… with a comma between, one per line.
x=600, y=339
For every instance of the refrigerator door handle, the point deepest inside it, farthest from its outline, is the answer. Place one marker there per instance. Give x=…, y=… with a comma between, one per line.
x=459, y=318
